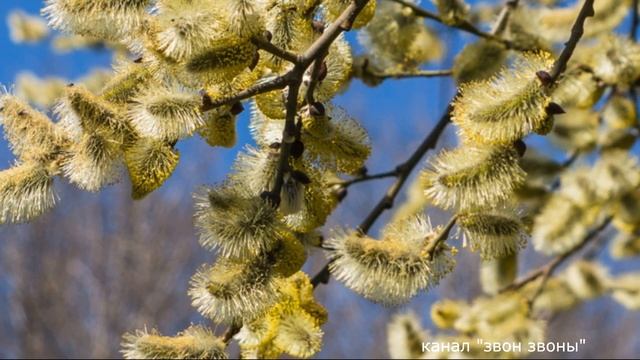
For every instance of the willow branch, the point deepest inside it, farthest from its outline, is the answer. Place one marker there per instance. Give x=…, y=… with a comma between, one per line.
x=276, y=83
x=463, y=25
x=366, y=177
x=408, y=74
x=503, y=17
x=547, y=270
x=314, y=79
x=295, y=76
x=404, y=171
x=263, y=44
x=577, y=30
x=442, y=237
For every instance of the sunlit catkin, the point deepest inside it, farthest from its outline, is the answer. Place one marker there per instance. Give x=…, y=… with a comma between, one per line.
x=494, y=234
x=150, y=162
x=391, y=270
x=30, y=133
x=166, y=113
x=106, y=19
x=26, y=191
x=506, y=107
x=196, y=342
x=236, y=222
x=93, y=162
x=405, y=336
x=233, y=289
x=471, y=177
x=81, y=111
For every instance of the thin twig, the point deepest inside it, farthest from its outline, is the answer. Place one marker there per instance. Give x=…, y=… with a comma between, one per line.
x=547, y=270
x=276, y=83
x=442, y=237
x=503, y=17
x=462, y=25
x=404, y=170
x=314, y=52
x=576, y=33
x=264, y=44
x=363, y=178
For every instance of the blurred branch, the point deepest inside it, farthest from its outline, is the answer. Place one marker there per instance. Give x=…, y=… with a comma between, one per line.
x=503, y=17
x=634, y=20
x=462, y=25
x=547, y=270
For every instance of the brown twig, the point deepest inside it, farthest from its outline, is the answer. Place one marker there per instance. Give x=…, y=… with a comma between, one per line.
x=263, y=44
x=403, y=170
x=577, y=30
x=462, y=25
x=366, y=177
x=547, y=270
x=503, y=17
x=295, y=76
x=442, y=237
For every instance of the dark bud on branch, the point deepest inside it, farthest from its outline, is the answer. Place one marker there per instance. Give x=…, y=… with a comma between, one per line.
x=237, y=108
x=297, y=149
x=554, y=109
x=255, y=61
x=267, y=35
x=318, y=26
x=322, y=74
x=520, y=147
x=544, y=77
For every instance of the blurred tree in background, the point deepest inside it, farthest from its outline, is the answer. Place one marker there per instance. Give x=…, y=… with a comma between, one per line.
x=86, y=272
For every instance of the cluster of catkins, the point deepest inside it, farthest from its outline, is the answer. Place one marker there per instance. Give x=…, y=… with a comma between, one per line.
x=500, y=195
x=192, y=55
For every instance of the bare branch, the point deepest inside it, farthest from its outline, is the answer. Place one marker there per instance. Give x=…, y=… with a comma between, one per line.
x=547, y=270
x=576, y=33
x=263, y=44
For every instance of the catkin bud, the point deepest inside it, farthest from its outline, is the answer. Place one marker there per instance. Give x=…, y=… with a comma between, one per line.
x=472, y=177
x=196, y=342
x=93, y=162
x=233, y=289
x=506, y=107
x=30, y=133
x=26, y=191
x=236, y=222
x=106, y=19
x=166, y=113
x=150, y=162
x=26, y=28
x=495, y=234
x=391, y=270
